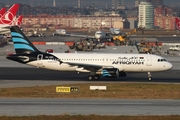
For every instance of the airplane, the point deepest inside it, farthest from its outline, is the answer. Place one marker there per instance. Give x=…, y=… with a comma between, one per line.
x=8, y=18
x=99, y=35
x=60, y=32
x=2, y=11
x=115, y=31
x=177, y=21
x=108, y=65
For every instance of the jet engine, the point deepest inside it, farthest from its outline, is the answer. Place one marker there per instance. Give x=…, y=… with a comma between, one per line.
x=112, y=73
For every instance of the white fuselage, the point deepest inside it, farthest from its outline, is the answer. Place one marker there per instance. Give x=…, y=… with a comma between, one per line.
x=100, y=35
x=61, y=31
x=123, y=62
x=115, y=31
x=4, y=28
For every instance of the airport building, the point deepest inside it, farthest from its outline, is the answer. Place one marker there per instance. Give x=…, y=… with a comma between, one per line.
x=146, y=15
x=163, y=17
x=163, y=11
x=88, y=22
x=165, y=22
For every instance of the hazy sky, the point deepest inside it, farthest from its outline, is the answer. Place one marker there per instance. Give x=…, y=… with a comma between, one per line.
x=74, y=2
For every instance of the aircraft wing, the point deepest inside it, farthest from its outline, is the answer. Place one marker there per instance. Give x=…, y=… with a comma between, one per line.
x=90, y=67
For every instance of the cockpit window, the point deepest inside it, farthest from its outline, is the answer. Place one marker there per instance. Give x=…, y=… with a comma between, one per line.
x=161, y=60
x=164, y=59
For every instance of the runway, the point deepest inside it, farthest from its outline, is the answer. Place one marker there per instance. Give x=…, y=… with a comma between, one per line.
x=28, y=76
x=49, y=106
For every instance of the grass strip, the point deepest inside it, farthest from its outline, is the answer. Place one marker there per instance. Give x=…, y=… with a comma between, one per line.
x=114, y=90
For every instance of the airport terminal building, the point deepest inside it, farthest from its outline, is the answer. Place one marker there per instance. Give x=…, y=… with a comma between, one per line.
x=88, y=22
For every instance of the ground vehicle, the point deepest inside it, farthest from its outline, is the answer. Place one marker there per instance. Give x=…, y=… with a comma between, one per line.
x=83, y=45
x=86, y=45
x=123, y=38
x=144, y=47
x=175, y=48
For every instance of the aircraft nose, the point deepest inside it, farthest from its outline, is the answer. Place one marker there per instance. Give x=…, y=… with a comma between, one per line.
x=169, y=66
x=117, y=32
x=98, y=36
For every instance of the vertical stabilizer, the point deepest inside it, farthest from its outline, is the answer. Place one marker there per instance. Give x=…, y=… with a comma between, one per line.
x=177, y=23
x=21, y=43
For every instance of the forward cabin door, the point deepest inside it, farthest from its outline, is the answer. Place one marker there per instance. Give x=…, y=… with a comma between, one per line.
x=149, y=60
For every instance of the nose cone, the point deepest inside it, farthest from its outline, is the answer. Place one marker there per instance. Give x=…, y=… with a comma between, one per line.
x=98, y=36
x=117, y=32
x=169, y=66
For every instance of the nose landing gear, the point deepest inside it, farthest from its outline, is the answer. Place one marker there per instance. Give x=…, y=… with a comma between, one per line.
x=149, y=76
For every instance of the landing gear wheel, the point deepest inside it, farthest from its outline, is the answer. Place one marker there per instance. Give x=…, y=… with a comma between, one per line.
x=149, y=76
x=90, y=77
x=96, y=77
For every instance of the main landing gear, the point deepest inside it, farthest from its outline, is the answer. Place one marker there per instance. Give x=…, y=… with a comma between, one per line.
x=149, y=76
x=93, y=77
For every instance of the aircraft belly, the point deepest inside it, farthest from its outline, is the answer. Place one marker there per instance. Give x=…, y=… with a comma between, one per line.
x=135, y=68
x=66, y=67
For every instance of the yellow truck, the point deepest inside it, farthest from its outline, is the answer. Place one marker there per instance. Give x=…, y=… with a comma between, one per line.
x=123, y=38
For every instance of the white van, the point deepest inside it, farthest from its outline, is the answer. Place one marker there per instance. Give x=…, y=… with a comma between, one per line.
x=175, y=48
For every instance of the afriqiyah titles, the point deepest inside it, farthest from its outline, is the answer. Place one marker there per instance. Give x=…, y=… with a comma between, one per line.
x=129, y=61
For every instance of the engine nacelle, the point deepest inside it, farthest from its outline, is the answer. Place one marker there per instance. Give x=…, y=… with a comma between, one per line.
x=110, y=72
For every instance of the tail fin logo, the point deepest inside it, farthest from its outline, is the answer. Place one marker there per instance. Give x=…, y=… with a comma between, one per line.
x=20, y=42
x=8, y=18
x=18, y=21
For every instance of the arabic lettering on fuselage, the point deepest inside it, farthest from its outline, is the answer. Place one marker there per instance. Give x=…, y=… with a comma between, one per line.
x=129, y=60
